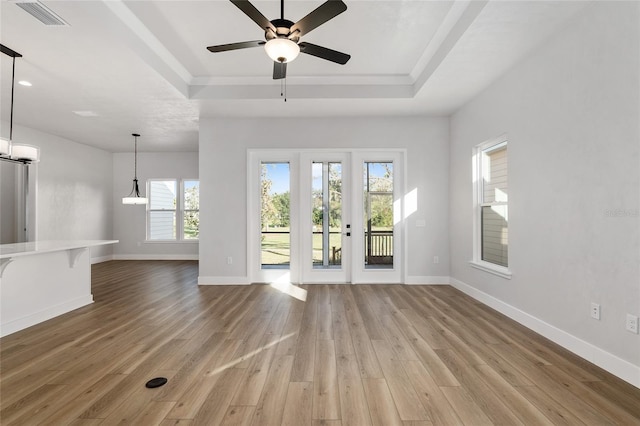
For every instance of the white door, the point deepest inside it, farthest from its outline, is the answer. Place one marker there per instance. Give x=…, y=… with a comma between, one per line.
x=325, y=242
x=272, y=232
x=377, y=231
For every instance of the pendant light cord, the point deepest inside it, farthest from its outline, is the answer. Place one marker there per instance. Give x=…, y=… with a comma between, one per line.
x=134, y=197
x=135, y=158
x=9, y=52
x=13, y=78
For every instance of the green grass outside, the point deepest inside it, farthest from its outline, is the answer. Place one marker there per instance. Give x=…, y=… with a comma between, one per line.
x=276, y=248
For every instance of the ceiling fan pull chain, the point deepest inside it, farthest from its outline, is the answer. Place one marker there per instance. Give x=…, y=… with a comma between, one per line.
x=285, y=88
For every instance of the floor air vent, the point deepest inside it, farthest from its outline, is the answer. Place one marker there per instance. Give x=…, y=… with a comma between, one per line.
x=42, y=13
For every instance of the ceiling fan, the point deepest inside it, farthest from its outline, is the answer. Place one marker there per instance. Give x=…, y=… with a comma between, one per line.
x=283, y=36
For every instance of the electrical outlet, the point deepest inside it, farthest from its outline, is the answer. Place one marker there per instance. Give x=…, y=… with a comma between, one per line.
x=595, y=311
x=436, y=259
x=229, y=260
x=632, y=323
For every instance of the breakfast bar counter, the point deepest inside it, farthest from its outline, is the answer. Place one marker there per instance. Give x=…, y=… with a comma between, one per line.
x=40, y=280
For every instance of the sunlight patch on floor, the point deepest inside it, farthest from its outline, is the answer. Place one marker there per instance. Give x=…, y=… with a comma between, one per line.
x=283, y=284
x=249, y=355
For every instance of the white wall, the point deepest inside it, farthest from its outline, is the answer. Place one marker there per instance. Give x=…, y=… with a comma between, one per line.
x=129, y=221
x=223, y=165
x=74, y=190
x=571, y=113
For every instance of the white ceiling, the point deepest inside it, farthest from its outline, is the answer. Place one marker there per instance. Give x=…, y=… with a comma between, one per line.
x=142, y=66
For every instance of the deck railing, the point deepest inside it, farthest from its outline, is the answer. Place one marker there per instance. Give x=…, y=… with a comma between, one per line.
x=378, y=247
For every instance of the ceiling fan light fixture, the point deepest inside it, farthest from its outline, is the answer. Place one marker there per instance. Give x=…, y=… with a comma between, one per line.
x=282, y=50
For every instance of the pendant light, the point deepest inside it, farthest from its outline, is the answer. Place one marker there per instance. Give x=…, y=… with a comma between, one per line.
x=134, y=196
x=8, y=150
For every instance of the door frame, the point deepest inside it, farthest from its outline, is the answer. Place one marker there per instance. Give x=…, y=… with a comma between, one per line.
x=255, y=158
x=360, y=274
x=356, y=272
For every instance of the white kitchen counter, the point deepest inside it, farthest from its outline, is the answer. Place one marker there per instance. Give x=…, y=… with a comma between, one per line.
x=43, y=279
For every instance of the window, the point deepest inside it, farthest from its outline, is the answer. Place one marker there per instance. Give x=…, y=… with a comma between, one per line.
x=190, y=209
x=492, y=211
x=168, y=220
x=162, y=210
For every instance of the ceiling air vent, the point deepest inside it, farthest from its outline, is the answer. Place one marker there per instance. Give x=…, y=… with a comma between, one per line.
x=42, y=13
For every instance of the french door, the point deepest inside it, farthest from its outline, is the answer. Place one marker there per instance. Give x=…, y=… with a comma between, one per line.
x=326, y=216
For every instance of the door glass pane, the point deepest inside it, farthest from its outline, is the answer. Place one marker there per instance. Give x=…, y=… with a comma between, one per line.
x=326, y=214
x=378, y=215
x=317, y=214
x=274, y=216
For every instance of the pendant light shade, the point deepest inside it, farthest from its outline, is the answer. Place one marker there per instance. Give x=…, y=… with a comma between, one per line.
x=25, y=153
x=134, y=196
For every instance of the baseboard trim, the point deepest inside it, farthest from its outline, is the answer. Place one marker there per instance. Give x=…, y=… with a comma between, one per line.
x=224, y=281
x=44, y=315
x=155, y=257
x=414, y=280
x=427, y=280
x=603, y=359
x=101, y=259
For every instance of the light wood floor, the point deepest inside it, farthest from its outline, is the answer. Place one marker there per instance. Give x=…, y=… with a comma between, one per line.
x=252, y=355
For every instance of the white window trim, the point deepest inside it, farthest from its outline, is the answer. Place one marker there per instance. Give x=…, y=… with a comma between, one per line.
x=477, y=261
x=179, y=213
x=492, y=268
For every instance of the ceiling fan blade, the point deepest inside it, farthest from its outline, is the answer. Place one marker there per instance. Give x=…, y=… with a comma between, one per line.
x=324, y=53
x=326, y=11
x=253, y=13
x=279, y=70
x=236, y=46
